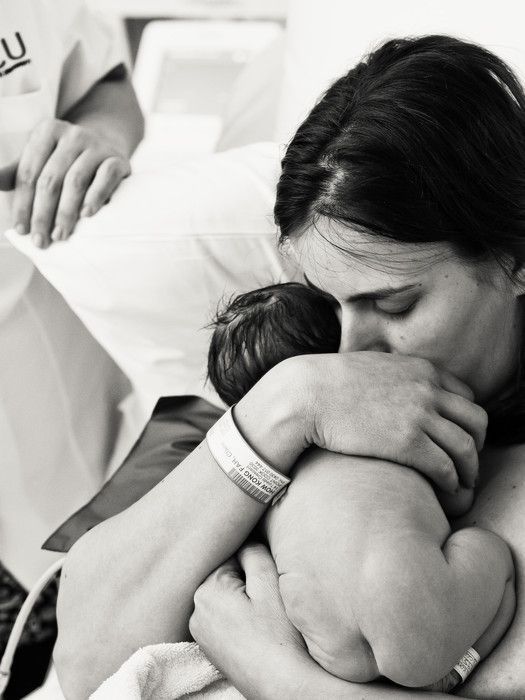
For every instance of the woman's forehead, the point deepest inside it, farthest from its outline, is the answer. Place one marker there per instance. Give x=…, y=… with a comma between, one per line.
x=343, y=262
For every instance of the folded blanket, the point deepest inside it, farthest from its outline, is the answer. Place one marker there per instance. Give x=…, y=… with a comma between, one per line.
x=166, y=672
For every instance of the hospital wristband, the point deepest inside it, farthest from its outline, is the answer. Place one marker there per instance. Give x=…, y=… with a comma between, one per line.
x=467, y=664
x=241, y=464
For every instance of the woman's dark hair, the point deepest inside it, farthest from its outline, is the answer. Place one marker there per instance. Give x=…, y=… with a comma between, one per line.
x=422, y=142
x=259, y=329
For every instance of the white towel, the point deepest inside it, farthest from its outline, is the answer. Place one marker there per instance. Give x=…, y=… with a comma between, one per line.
x=167, y=672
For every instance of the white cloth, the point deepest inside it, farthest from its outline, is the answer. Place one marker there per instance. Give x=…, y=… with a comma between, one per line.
x=166, y=672
x=59, y=391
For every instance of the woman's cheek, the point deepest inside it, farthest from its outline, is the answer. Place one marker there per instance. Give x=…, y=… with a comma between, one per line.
x=418, y=337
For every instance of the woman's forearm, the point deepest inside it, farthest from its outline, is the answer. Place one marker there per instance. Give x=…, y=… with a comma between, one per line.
x=130, y=581
x=296, y=676
x=308, y=681
x=320, y=684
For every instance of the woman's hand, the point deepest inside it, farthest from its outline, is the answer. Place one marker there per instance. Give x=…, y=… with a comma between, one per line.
x=399, y=408
x=393, y=407
x=240, y=623
x=65, y=171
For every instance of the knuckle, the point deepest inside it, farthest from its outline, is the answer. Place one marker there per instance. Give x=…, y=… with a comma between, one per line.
x=446, y=468
x=423, y=365
x=39, y=223
x=114, y=168
x=425, y=393
x=25, y=176
x=49, y=183
x=411, y=439
x=469, y=445
x=75, y=134
x=45, y=128
x=77, y=181
x=64, y=218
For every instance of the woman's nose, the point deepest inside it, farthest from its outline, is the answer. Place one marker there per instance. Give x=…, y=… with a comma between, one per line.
x=361, y=331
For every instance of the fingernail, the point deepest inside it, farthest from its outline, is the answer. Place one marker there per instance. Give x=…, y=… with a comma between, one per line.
x=37, y=240
x=56, y=234
x=85, y=211
x=20, y=229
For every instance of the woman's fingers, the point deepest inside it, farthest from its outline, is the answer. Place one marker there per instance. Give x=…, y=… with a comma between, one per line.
x=434, y=462
x=226, y=577
x=463, y=412
x=459, y=446
x=449, y=382
x=458, y=427
x=256, y=560
x=259, y=569
x=262, y=579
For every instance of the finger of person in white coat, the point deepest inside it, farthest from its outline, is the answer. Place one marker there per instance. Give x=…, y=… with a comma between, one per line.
x=35, y=155
x=76, y=183
x=49, y=189
x=108, y=177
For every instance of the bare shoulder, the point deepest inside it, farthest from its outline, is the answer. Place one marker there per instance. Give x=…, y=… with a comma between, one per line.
x=500, y=506
x=499, y=503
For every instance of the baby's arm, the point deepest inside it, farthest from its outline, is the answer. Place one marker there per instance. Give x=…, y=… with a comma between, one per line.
x=372, y=577
x=423, y=605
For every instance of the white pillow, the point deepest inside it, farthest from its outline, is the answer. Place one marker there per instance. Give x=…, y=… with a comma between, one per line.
x=145, y=274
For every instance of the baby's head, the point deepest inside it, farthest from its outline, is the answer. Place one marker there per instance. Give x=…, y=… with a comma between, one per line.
x=259, y=329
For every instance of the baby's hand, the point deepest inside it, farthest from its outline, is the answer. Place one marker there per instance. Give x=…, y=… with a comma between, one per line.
x=488, y=640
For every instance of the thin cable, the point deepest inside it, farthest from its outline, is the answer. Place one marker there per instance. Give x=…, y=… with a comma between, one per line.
x=20, y=622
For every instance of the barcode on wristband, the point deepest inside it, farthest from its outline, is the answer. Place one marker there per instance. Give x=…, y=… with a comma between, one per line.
x=241, y=464
x=247, y=486
x=467, y=663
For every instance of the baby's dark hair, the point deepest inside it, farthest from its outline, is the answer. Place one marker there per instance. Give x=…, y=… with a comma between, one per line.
x=259, y=329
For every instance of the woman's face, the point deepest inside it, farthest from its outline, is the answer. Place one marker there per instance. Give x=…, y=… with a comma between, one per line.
x=417, y=300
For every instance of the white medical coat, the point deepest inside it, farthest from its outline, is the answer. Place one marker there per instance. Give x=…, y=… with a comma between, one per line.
x=59, y=391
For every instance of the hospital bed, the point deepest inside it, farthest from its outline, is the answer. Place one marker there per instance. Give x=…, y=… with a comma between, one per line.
x=145, y=274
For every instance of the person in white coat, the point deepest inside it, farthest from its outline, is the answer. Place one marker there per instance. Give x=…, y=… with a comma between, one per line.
x=69, y=121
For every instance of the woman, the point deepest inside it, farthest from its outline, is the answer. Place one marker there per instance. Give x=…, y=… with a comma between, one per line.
x=401, y=198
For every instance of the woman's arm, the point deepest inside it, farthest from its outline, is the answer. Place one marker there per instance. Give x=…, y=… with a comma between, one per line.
x=130, y=581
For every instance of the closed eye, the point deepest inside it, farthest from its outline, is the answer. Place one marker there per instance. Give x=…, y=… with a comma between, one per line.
x=399, y=311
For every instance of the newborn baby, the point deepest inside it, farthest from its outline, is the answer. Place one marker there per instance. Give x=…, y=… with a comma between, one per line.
x=369, y=570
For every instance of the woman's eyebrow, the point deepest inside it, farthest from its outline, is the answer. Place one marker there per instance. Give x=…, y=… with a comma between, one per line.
x=373, y=294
